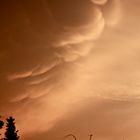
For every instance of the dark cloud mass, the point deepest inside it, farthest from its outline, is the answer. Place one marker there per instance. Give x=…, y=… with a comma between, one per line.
x=43, y=49
x=40, y=37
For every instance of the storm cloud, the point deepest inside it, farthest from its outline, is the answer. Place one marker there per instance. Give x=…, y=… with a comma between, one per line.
x=44, y=51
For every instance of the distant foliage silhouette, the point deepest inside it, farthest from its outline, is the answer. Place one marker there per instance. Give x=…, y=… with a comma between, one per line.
x=1, y=124
x=11, y=132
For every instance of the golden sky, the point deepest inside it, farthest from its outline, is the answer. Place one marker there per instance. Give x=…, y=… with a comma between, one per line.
x=71, y=66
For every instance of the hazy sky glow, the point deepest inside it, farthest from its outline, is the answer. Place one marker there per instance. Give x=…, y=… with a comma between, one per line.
x=71, y=66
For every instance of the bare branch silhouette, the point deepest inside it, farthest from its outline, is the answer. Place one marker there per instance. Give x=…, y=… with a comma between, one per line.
x=90, y=136
x=71, y=136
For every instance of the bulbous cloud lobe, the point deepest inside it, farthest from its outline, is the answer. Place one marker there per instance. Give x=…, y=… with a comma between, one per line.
x=43, y=47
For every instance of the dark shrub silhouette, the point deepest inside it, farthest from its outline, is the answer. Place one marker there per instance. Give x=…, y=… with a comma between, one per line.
x=1, y=124
x=11, y=132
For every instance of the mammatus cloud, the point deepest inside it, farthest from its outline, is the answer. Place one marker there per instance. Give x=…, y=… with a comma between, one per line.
x=44, y=50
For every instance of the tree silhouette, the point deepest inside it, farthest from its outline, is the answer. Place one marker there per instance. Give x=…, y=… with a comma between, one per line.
x=1, y=124
x=11, y=132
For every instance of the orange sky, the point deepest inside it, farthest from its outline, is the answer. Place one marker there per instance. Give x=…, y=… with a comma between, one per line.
x=71, y=67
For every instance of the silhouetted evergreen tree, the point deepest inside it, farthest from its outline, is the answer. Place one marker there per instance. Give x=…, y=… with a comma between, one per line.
x=11, y=132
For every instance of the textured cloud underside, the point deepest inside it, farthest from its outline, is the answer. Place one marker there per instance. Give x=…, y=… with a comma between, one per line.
x=45, y=51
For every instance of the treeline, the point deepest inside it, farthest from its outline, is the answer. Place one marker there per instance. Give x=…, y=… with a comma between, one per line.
x=10, y=132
